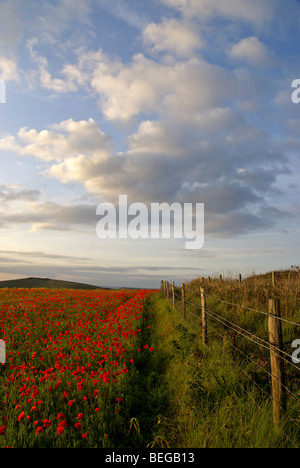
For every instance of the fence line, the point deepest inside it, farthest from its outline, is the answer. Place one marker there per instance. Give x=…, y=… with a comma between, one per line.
x=278, y=357
x=245, y=336
x=252, y=310
x=256, y=385
x=239, y=330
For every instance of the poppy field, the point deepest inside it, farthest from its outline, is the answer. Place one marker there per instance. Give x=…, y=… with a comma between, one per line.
x=69, y=355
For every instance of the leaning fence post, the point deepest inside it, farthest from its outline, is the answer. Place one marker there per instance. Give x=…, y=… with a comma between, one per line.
x=183, y=300
x=173, y=294
x=277, y=364
x=204, y=317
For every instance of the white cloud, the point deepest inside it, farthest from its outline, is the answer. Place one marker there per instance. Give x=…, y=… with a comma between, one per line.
x=126, y=90
x=167, y=160
x=42, y=76
x=17, y=192
x=251, y=50
x=193, y=140
x=173, y=36
x=8, y=68
x=62, y=141
x=252, y=11
x=168, y=87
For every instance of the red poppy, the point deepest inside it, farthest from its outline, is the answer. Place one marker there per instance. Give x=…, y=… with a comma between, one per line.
x=21, y=416
x=63, y=424
x=47, y=423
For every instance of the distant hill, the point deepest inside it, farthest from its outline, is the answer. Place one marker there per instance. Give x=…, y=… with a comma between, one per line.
x=29, y=283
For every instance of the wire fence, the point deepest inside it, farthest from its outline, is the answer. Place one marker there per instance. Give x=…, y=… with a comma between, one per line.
x=280, y=363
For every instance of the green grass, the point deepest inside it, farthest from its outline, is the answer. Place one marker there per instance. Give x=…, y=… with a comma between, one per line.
x=213, y=400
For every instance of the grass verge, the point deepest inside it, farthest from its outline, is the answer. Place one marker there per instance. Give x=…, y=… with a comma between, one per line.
x=214, y=399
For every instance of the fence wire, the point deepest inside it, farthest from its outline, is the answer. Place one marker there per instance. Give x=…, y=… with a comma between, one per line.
x=196, y=320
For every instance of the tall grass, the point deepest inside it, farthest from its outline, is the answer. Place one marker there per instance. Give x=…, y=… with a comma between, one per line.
x=220, y=393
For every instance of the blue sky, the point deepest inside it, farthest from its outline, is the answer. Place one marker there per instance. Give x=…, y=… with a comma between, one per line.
x=161, y=100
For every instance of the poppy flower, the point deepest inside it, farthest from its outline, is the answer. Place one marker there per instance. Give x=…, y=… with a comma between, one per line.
x=63, y=424
x=47, y=423
x=21, y=416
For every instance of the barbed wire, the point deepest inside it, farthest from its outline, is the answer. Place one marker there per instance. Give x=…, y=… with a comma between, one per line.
x=253, y=310
x=259, y=387
x=248, y=335
x=253, y=362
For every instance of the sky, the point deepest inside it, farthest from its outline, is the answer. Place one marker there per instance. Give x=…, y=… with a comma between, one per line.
x=165, y=101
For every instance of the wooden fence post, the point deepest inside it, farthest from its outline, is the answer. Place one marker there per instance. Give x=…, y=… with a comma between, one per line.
x=220, y=278
x=183, y=300
x=162, y=286
x=168, y=290
x=273, y=278
x=240, y=279
x=173, y=294
x=277, y=364
x=204, y=317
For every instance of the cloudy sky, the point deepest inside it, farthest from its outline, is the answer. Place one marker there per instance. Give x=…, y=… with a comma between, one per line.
x=183, y=101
